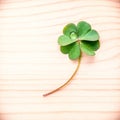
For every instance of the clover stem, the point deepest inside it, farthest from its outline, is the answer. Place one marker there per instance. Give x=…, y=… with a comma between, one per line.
x=66, y=83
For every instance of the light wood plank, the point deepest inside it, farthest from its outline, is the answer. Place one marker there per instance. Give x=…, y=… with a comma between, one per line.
x=31, y=63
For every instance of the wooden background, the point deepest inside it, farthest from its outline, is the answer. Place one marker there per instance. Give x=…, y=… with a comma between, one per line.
x=31, y=63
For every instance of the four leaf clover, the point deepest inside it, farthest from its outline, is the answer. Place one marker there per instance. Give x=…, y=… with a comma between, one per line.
x=75, y=40
x=79, y=38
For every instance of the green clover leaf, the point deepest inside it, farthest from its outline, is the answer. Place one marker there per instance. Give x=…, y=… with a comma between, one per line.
x=66, y=49
x=90, y=36
x=83, y=28
x=77, y=39
x=74, y=53
x=69, y=28
x=64, y=40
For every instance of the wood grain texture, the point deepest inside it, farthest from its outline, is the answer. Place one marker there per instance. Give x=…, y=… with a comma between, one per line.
x=31, y=63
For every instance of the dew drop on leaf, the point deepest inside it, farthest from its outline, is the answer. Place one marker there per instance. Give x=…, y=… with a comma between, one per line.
x=73, y=35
